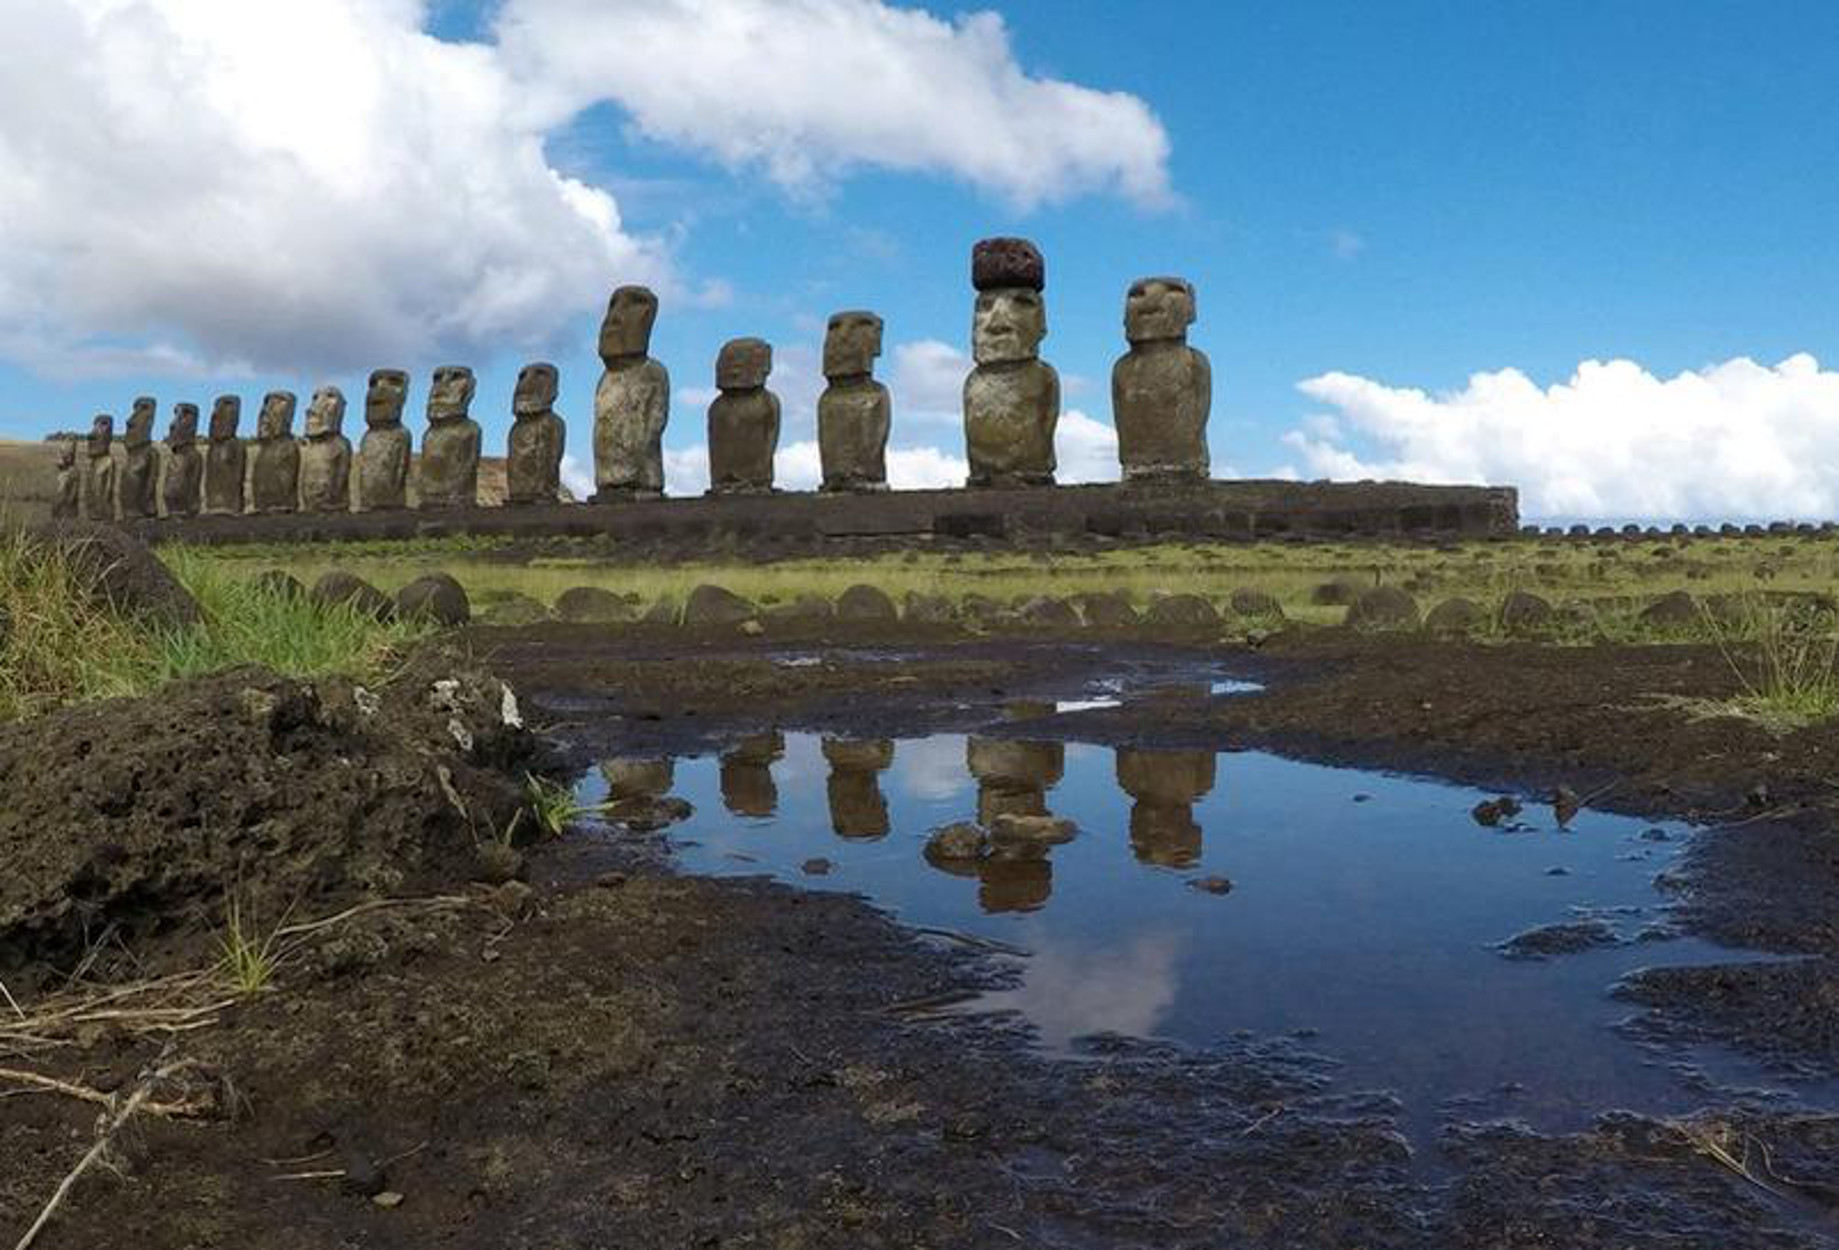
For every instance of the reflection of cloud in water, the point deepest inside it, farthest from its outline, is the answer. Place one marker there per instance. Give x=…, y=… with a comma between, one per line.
x=932, y=769
x=1073, y=990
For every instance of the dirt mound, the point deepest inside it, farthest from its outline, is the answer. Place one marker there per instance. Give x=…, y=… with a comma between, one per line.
x=141, y=816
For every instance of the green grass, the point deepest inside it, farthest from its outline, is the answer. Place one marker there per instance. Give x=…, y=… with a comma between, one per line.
x=1790, y=672
x=56, y=642
x=554, y=807
x=248, y=957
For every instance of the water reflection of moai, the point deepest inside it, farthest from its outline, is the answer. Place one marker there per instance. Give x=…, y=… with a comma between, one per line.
x=1161, y=389
x=533, y=455
x=1012, y=396
x=743, y=420
x=1165, y=785
x=139, y=489
x=632, y=402
x=449, y=473
x=182, y=486
x=67, y=502
x=638, y=778
x=99, y=473
x=858, y=809
x=384, y=451
x=1006, y=884
x=747, y=775
x=1013, y=777
x=854, y=413
x=226, y=461
x=274, y=476
x=325, y=456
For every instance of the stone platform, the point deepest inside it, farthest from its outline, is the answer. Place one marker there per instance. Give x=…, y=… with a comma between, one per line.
x=1224, y=510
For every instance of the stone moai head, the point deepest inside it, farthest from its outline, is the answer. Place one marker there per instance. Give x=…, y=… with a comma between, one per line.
x=1011, y=316
x=276, y=419
x=385, y=396
x=626, y=330
x=66, y=453
x=451, y=396
x=140, y=423
x=101, y=435
x=1157, y=309
x=851, y=344
x=226, y=414
x=535, y=395
x=743, y=364
x=184, y=429
x=326, y=413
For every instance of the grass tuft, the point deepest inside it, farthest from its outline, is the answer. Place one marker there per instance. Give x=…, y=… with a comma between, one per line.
x=1790, y=671
x=554, y=806
x=249, y=957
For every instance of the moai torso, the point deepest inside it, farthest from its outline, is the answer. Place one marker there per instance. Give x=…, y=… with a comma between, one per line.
x=747, y=775
x=1164, y=786
x=99, y=472
x=325, y=456
x=743, y=420
x=225, y=460
x=1012, y=397
x=632, y=402
x=274, y=475
x=67, y=503
x=181, y=489
x=384, y=453
x=533, y=458
x=139, y=467
x=449, y=476
x=854, y=412
x=858, y=808
x=1161, y=389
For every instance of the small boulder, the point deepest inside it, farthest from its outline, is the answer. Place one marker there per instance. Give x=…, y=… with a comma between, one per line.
x=1674, y=610
x=1048, y=612
x=1455, y=616
x=341, y=589
x=584, y=605
x=121, y=572
x=803, y=607
x=1181, y=610
x=1105, y=609
x=1252, y=602
x=1046, y=830
x=1341, y=592
x=957, y=843
x=279, y=584
x=1383, y=607
x=1490, y=812
x=1523, y=612
x=436, y=597
x=865, y=603
x=1211, y=885
x=664, y=612
x=926, y=609
x=716, y=605
x=513, y=608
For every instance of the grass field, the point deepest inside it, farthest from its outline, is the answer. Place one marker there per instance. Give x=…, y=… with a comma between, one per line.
x=27, y=478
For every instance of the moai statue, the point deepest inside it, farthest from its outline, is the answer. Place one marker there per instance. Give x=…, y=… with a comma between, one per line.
x=274, y=477
x=1165, y=785
x=182, y=490
x=1161, y=389
x=858, y=809
x=140, y=468
x=747, y=775
x=225, y=459
x=1012, y=397
x=632, y=402
x=1013, y=777
x=533, y=463
x=449, y=476
x=854, y=412
x=325, y=456
x=743, y=420
x=68, y=502
x=99, y=474
x=383, y=455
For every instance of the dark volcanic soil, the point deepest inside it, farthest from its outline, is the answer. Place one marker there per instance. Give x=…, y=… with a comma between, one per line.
x=636, y=1059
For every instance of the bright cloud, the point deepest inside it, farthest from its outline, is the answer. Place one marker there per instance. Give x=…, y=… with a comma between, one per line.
x=1736, y=439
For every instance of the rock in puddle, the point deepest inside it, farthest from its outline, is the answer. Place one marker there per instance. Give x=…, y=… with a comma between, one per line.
x=1566, y=938
x=1211, y=885
x=816, y=867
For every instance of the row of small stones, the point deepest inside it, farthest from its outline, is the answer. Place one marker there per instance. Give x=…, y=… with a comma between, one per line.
x=1803, y=529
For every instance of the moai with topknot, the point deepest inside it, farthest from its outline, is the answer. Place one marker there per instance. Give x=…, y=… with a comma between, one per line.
x=1012, y=397
x=140, y=466
x=632, y=402
x=325, y=456
x=99, y=473
x=181, y=490
x=384, y=453
x=1161, y=389
x=743, y=420
x=67, y=503
x=225, y=459
x=533, y=459
x=274, y=474
x=854, y=412
x=449, y=475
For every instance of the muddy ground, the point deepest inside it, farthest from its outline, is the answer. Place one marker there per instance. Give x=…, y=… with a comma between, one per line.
x=614, y=1055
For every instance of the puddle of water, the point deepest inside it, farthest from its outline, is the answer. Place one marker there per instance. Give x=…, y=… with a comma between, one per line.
x=1363, y=909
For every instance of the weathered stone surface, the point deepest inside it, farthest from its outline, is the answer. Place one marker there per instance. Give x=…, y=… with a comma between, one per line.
x=806, y=607
x=67, y=497
x=225, y=459
x=99, y=472
x=1014, y=775
x=448, y=476
x=182, y=483
x=743, y=420
x=865, y=603
x=1048, y=612
x=1009, y=827
x=1455, y=616
x=1676, y=609
x=595, y=605
x=1249, y=601
x=1161, y=389
x=1164, y=786
x=1180, y=609
x=858, y=809
x=1524, y=612
x=1383, y=607
x=1006, y=262
x=274, y=475
x=855, y=412
x=958, y=842
x=716, y=605
x=1011, y=398
x=121, y=572
x=533, y=459
x=281, y=584
x=325, y=455
x=437, y=597
x=632, y=402
x=138, y=492
x=385, y=452
x=1106, y=609
x=1339, y=592
x=341, y=589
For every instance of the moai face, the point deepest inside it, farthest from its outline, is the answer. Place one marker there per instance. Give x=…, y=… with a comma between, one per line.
x=101, y=435
x=851, y=344
x=384, y=397
x=326, y=413
x=1009, y=325
x=626, y=331
x=743, y=364
x=451, y=396
x=226, y=414
x=140, y=423
x=184, y=429
x=536, y=390
x=277, y=416
x=1158, y=309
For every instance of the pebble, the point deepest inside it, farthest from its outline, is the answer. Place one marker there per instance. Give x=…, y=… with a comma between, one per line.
x=389, y=1199
x=816, y=867
x=1211, y=885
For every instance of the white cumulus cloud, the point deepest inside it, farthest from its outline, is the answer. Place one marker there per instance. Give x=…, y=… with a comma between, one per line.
x=1737, y=439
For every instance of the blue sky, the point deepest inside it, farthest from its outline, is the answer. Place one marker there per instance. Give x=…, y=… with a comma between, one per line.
x=1397, y=196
